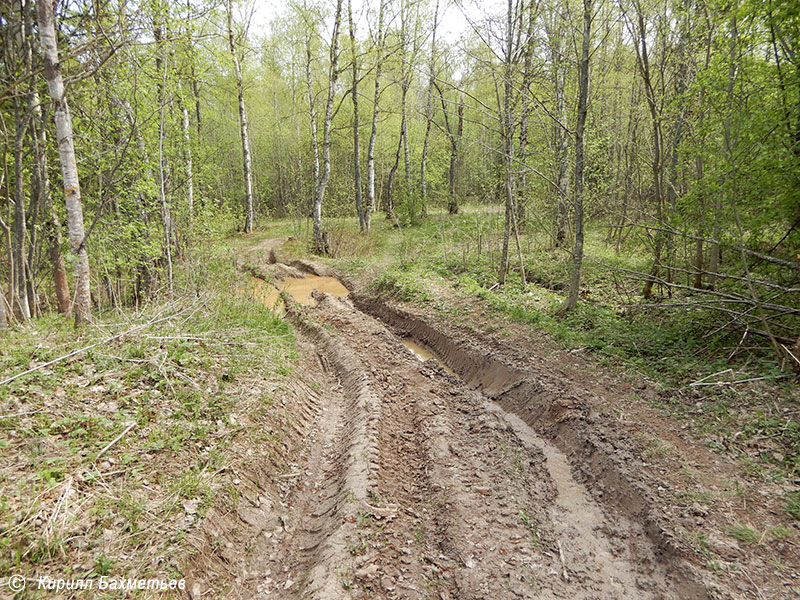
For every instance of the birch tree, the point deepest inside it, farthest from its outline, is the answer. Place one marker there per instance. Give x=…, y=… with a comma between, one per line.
x=321, y=244
x=423, y=177
x=246, y=158
x=69, y=169
x=510, y=57
x=41, y=178
x=159, y=17
x=361, y=211
x=380, y=41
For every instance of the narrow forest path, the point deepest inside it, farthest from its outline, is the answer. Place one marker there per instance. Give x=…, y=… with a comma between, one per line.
x=464, y=476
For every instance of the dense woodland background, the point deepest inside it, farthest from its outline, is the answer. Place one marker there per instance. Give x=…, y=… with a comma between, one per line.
x=664, y=134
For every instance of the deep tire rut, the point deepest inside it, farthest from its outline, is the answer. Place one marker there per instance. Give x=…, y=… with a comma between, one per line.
x=489, y=509
x=419, y=484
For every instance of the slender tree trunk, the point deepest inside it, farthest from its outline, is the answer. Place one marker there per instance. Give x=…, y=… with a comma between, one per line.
x=187, y=138
x=166, y=216
x=583, y=98
x=559, y=75
x=146, y=268
x=277, y=156
x=452, y=206
x=321, y=245
x=702, y=201
x=527, y=79
x=423, y=179
x=36, y=194
x=19, y=296
x=312, y=115
x=246, y=160
x=390, y=182
x=69, y=168
x=656, y=165
x=698, y=248
x=508, y=139
x=454, y=137
x=375, y=109
x=187, y=161
x=190, y=48
x=59, y=271
x=631, y=137
x=406, y=150
x=361, y=211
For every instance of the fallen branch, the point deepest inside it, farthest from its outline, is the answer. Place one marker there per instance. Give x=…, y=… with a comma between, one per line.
x=710, y=376
x=789, y=352
x=115, y=440
x=734, y=382
x=89, y=347
x=563, y=561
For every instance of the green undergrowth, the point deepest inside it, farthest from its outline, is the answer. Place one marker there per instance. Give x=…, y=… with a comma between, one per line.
x=188, y=389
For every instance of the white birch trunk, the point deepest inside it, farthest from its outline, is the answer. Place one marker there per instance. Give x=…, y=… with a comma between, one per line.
x=246, y=160
x=423, y=179
x=375, y=109
x=508, y=139
x=187, y=160
x=312, y=114
x=69, y=167
x=320, y=239
x=166, y=216
x=356, y=143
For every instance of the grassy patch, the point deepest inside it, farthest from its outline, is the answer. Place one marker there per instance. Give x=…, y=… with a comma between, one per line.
x=745, y=534
x=171, y=407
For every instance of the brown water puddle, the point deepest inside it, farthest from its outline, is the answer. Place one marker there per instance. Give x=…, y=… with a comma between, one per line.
x=299, y=288
x=423, y=354
x=267, y=294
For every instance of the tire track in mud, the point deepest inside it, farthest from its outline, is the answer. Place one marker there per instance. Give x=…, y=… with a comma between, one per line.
x=437, y=467
x=541, y=408
x=424, y=485
x=504, y=517
x=344, y=455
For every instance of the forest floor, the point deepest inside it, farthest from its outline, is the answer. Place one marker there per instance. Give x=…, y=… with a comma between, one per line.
x=374, y=443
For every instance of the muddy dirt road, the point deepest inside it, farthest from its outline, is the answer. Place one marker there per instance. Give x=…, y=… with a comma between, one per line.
x=437, y=466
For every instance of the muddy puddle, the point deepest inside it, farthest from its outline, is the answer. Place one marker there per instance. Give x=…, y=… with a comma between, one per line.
x=422, y=354
x=266, y=294
x=300, y=289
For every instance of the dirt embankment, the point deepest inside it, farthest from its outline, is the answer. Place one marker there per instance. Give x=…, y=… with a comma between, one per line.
x=502, y=481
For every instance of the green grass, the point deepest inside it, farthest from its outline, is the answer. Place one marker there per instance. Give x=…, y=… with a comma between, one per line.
x=195, y=385
x=745, y=534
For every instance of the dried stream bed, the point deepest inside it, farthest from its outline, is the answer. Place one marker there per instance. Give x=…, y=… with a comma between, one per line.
x=423, y=477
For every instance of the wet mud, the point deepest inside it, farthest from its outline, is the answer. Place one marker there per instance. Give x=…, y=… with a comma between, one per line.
x=439, y=464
